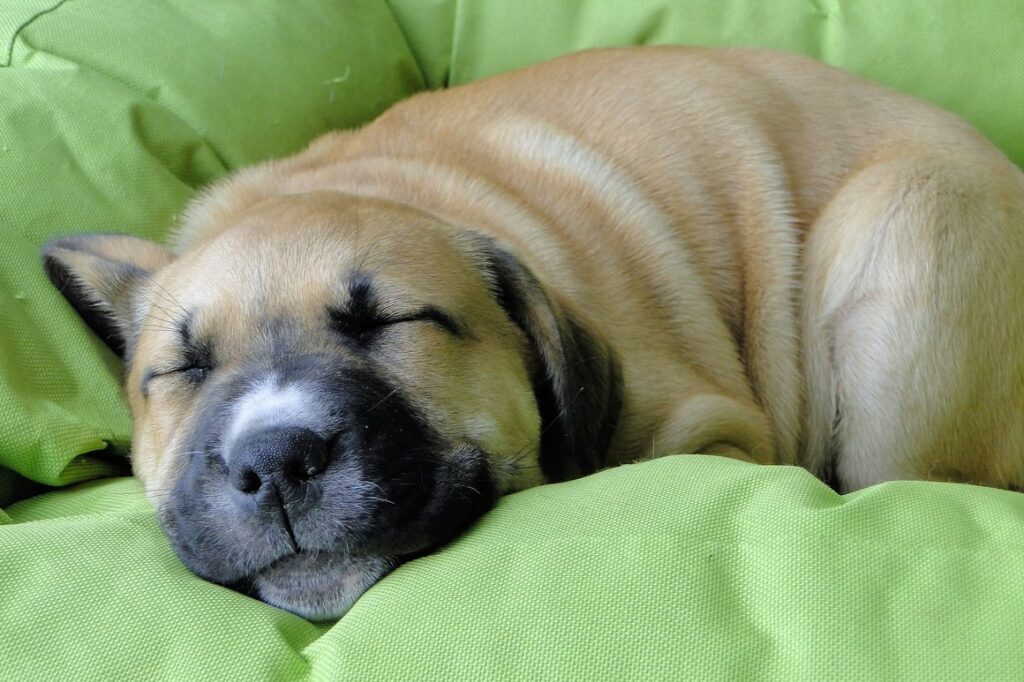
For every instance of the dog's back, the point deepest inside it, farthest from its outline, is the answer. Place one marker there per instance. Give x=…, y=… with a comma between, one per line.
x=791, y=264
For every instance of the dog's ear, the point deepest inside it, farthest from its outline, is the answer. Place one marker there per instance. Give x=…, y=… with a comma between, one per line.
x=100, y=275
x=579, y=391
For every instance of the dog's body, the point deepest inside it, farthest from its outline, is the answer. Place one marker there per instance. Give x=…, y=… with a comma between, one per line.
x=718, y=251
x=755, y=238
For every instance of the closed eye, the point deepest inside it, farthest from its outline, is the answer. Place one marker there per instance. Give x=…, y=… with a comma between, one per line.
x=194, y=374
x=195, y=364
x=362, y=327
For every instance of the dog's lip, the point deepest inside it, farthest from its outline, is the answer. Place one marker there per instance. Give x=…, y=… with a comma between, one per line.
x=307, y=556
x=319, y=585
x=282, y=561
x=319, y=571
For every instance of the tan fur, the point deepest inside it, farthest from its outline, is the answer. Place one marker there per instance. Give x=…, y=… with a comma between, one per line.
x=478, y=392
x=792, y=265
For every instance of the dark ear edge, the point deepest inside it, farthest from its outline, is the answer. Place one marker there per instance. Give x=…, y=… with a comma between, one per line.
x=91, y=311
x=98, y=275
x=579, y=396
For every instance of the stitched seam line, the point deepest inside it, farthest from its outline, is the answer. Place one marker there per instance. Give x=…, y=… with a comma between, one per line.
x=28, y=22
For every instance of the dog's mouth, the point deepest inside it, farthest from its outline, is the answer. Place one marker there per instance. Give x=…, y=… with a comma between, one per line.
x=305, y=492
x=323, y=584
x=317, y=585
x=317, y=549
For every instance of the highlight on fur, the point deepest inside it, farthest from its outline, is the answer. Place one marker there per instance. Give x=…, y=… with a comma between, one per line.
x=348, y=354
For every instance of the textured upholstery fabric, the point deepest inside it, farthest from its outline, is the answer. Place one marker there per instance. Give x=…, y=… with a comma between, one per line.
x=112, y=114
x=685, y=567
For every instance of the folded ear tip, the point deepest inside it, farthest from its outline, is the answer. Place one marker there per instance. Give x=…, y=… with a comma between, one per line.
x=51, y=246
x=55, y=267
x=55, y=254
x=97, y=274
x=148, y=255
x=86, y=242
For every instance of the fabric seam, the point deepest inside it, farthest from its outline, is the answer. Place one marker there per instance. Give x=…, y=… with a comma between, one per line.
x=28, y=22
x=408, y=46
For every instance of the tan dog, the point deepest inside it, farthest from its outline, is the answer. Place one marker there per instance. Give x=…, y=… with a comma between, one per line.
x=616, y=255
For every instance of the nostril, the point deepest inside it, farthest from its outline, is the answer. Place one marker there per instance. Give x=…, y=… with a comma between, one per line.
x=284, y=455
x=313, y=463
x=248, y=481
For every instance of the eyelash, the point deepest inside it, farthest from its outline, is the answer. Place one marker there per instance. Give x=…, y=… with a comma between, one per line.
x=195, y=367
x=194, y=373
x=362, y=329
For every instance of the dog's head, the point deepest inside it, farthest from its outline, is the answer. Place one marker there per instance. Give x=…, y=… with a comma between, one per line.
x=332, y=385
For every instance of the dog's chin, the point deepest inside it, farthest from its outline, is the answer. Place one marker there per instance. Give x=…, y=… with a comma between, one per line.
x=319, y=585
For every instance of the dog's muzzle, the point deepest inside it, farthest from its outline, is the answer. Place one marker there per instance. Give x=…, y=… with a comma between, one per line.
x=305, y=488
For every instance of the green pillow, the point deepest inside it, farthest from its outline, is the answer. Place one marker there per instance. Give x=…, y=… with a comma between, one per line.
x=686, y=567
x=965, y=56
x=111, y=116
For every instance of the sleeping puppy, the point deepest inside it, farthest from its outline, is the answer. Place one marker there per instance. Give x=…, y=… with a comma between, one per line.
x=616, y=255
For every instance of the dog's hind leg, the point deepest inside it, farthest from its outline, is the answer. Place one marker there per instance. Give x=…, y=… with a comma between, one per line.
x=914, y=323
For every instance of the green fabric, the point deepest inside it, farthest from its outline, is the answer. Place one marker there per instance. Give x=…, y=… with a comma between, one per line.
x=112, y=116
x=965, y=56
x=685, y=567
x=113, y=113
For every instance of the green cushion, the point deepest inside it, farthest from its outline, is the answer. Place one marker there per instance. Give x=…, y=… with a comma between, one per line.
x=967, y=57
x=685, y=567
x=112, y=114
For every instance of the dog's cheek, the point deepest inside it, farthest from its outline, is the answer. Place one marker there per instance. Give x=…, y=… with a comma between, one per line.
x=475, y=391
x=498, y=412
x=159, y=456
x=153, y=463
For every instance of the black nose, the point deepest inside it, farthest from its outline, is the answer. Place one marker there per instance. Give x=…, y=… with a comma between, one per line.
x=286, y=455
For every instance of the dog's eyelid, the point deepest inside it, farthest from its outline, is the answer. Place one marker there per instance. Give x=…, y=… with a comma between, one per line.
x=199, y=369
x=360, y=324
x=440, y=317
x=195, y=373
x=195, y=361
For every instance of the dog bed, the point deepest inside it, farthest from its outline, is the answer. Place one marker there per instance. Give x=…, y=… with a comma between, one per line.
x=113, y=114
